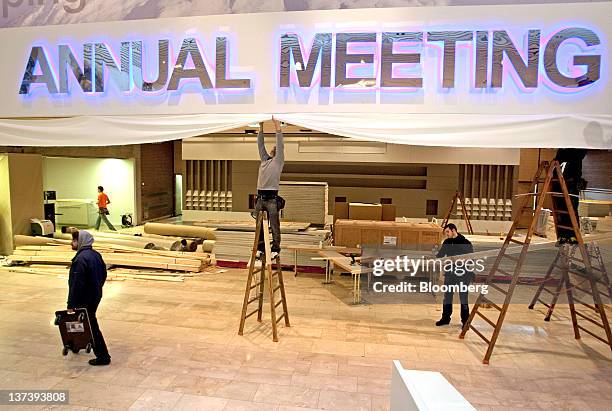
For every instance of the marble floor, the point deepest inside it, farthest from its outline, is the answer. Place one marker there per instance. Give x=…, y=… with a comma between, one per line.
x=175, y=346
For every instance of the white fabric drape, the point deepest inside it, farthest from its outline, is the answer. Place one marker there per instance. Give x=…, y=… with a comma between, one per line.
x=465, y=130
x=117, y=130
x=450, y=130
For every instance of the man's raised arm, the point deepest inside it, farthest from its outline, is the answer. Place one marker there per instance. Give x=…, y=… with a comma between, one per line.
x=280, y=143
x=263, y=154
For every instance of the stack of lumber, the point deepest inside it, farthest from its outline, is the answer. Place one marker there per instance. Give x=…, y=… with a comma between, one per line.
x=157, y=264
x=305, y=201
x=236, y=246
x=113, y=274
x=180, y=230
x=286, y=226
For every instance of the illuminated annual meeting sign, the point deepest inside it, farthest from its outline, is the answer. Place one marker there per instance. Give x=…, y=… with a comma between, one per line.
x=358, y=60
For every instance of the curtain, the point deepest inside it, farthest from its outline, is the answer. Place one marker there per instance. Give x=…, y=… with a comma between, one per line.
x=450, y=130
x=117, y=130
x=465, y=130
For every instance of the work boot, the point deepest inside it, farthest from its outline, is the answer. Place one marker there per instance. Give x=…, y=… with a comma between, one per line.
x=443, y=321
x=100, y=361
x=465, y=313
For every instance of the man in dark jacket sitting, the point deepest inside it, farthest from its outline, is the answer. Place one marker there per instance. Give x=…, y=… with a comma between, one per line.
x=87, y=277
x=455, y=244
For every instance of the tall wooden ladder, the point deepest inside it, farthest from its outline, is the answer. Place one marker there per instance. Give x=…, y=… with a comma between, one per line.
x=566, y=260
x=546, y=175
x=458, y=199
x=256, y=280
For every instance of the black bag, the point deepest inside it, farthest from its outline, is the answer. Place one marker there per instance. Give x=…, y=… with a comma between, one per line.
x=280, y=202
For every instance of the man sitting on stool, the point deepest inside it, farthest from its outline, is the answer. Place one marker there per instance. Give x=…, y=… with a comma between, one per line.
x=455, y=244
x=268, y=182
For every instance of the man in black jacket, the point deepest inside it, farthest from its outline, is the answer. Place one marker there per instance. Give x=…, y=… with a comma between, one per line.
x=455, y=244
x=87, y=277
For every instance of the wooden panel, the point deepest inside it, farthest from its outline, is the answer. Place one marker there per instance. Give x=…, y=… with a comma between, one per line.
x=370, y=236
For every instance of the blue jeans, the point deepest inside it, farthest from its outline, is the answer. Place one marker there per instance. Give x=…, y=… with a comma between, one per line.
x=269, y=204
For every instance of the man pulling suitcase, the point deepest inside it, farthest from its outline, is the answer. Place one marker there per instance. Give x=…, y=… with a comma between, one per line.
x=87, y=277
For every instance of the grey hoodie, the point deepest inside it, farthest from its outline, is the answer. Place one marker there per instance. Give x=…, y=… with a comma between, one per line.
x=85, y=240
x=271, y=168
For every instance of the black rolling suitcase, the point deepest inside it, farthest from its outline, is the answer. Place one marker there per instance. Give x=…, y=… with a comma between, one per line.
x=75, y=330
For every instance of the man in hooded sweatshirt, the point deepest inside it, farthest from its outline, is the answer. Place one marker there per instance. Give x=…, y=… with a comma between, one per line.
x=87, y=277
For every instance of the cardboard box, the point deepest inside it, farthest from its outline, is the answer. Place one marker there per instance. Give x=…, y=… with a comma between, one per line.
x=353, y=233
x=388, y=212
x=341, y=211
x=362, y=211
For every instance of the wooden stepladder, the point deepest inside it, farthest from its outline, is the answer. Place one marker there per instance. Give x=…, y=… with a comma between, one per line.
x=545, y=176
x=458, y=199
x=257, y=277
x=565, y=261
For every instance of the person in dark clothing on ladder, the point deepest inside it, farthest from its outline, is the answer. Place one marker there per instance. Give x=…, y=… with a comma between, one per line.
x=85, y=282
x=268, y=182
x=454, y=244
x=570, y=160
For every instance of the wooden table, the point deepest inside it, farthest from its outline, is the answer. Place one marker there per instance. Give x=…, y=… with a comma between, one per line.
x=313, y=248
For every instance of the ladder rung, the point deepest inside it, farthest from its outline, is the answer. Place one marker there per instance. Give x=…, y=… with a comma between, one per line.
x=487, y=301
x=504, y=272
x=583, y=290
x=548, y=291
x=592, y=307
x=508, y=256
x=560, y=212
x=478, y=333
x=253, y=299
x=252, y=312
x=276, y=288
x=543, y=303
x=586, y=317
x=491, y=323
x=256, y=271
x=256, y=285
x=578, y=273
x=594, y=335
x=516, y=241
x=567, y=227
x=278, y=303
x=280, y=318
x=501, y=290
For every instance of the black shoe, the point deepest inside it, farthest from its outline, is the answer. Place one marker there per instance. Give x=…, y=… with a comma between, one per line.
x=100, y=361
x=443, y=321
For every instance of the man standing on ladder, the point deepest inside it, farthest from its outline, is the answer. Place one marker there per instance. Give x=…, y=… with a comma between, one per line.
x=268, y=182
x=570, y=160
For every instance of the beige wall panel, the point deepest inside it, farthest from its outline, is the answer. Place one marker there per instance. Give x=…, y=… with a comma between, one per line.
x=244, y=147
x=26, y=190
x=6, y=225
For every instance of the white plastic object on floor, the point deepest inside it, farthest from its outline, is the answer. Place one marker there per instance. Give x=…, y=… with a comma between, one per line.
x=424, y=390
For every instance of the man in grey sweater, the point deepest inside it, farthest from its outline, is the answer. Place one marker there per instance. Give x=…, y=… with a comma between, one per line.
x=268, y=182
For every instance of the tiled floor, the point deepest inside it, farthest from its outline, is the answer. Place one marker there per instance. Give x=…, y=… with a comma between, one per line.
x=175, y=346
